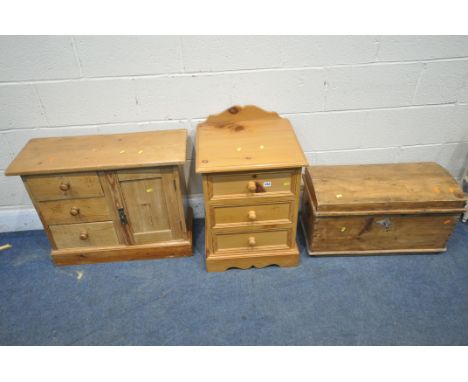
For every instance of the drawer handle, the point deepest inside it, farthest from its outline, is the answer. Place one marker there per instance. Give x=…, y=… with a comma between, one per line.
x=64, y=186
x=252, y=215
x=74, y=211
x=84, y=235
x=251, y=186
x=252, y=241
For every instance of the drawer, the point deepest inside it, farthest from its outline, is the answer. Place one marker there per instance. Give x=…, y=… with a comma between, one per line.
x=255, y=240
x=64, y=186
x=100, y=234
x=252, y=214
x=251, y=184
x=74, y=210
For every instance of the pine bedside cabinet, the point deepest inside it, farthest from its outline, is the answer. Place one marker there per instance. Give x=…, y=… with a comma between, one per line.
x=111, y=197
x=251, y=164
x=381, y=208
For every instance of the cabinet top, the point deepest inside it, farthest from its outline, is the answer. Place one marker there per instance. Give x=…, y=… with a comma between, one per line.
x=100, y=152
x=246, y=138
x=424, y=186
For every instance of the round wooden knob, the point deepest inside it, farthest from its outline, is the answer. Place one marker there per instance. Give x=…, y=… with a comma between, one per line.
x=84, y=235
x=252, y=186
x=74, y=211
x=64, y=186
x=252, y=215
x=252, y=241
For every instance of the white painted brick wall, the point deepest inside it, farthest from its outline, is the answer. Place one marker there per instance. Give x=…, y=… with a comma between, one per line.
x=371, y=86
x=20, y=107
x=108, y=56
x=441, y=82
x=351, y=99
x=414, y=48
x=285, y=91
x=68, y=103
x=227, y=53
x=300, y=51
x=181, y=97
x=36, y=58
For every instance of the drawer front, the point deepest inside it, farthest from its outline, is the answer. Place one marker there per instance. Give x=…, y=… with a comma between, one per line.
x=75, y=211
x=225, y=242
x=64, y=186
x=100, y=234
x=381, y=232
x=251, y=214
x=251, y=184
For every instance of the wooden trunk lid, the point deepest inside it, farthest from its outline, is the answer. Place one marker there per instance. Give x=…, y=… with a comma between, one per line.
x=383, y=188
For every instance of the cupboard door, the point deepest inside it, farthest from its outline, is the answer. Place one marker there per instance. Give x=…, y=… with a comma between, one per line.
x=151, y=207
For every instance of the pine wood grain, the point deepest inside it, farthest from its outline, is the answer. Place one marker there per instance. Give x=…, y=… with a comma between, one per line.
x=239, y=113
x=364, y=233
x=267, y=183
x=252, y=214
x=410, y=207
x=79, y=185
x=151, y=204
x=251, y=241
x=75, y=211
x=126, y=210
x=170, y=249
x=99, y=234
x=281, y=257
x=36, y=206
x=246, y=144
x=401, y=186
x=251, y=165
x=113, y=194
x=146, y=211
x=100, y=152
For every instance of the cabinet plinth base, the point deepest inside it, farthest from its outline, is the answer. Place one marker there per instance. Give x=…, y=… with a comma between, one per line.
x=243, y=260
x=108, y=255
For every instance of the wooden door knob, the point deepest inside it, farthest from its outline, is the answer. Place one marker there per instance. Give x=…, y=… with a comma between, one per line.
x=251, y=186
x=252, y=241
x=84, y=235
x=252, y=215
x=64, y=186
x=74, y=211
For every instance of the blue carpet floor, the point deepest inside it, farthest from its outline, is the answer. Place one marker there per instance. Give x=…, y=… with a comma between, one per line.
x=378, y=300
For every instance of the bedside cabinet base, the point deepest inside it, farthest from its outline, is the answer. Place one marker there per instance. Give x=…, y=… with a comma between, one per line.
x=283, y=258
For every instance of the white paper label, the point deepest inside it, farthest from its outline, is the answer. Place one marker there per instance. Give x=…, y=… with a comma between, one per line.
x=266, y=184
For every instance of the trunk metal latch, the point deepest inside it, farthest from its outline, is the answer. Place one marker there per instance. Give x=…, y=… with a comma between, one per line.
x=386, y=223
x=122, y=216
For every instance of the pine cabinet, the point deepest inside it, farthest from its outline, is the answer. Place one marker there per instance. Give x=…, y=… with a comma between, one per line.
x=109, y=197
x=251, y=162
